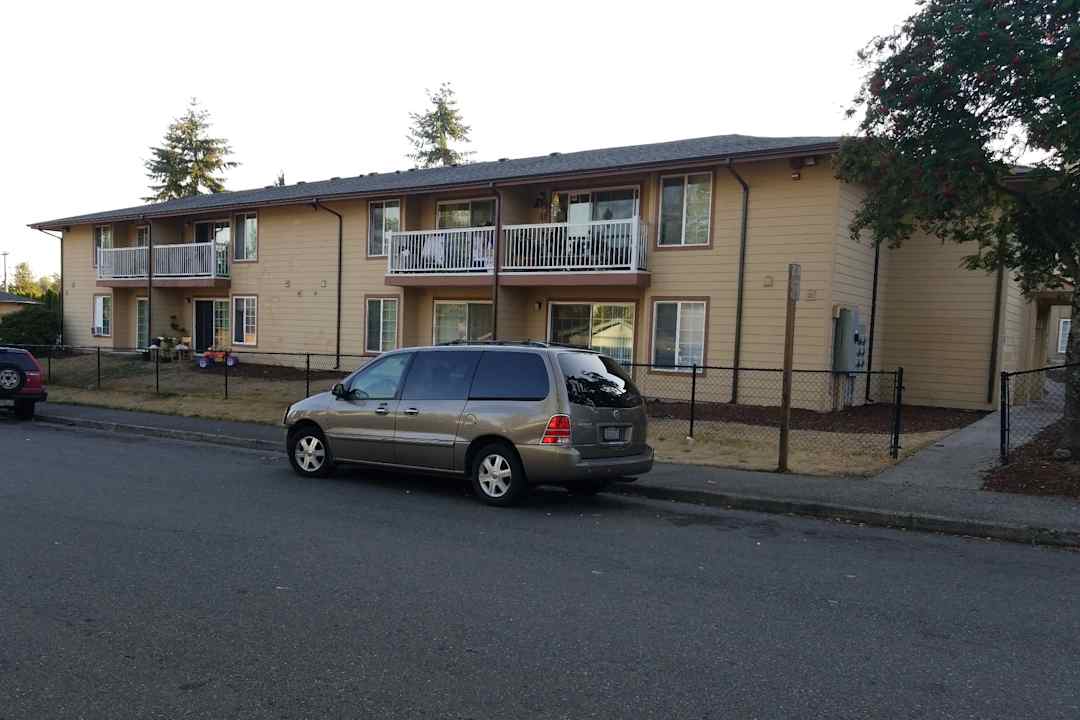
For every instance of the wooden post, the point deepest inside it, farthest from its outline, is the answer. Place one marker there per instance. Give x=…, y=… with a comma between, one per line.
x=794, y=282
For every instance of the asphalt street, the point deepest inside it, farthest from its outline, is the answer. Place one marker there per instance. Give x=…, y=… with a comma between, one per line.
x=162, y=579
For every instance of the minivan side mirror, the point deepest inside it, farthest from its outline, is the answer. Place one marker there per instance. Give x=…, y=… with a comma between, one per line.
x=339, y=391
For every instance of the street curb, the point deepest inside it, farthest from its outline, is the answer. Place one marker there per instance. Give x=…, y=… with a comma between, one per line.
x=151, y=431
x=1028, y=535
x=1009, y=532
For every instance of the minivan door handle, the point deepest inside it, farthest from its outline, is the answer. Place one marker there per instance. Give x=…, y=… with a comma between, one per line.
x=382, y=410
x=411, y=411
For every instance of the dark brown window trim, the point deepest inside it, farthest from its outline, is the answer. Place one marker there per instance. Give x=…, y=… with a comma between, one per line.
x=712, y=210
x=652, y=334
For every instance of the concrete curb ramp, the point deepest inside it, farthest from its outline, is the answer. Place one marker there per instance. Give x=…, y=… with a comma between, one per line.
x=1030, y=535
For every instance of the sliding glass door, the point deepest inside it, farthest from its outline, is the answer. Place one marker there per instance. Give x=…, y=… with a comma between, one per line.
x=604, y=327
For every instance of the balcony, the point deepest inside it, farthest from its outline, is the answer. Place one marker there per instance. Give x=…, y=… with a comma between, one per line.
x=192, y=265
x=604, y=252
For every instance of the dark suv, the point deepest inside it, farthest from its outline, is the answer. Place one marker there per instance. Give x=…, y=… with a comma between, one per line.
x=22, y=384
x=505, y=415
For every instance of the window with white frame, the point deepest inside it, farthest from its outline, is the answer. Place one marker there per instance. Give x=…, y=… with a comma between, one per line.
x=461, y=320
x=142, y=236
x=458, y=214
x=384, y=216
x=382, y=325
x=678, y=334
x=102, y=240
x=245, y=236
x=604, y=327
x=221, y=323
x=142, y=323
x=685, y=206
x=1064, y=326
x=245, y=320
x=102, y=316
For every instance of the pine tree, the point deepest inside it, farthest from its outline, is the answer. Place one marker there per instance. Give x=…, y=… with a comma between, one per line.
x=433, y=131
x=280, y=181
x=190, y=161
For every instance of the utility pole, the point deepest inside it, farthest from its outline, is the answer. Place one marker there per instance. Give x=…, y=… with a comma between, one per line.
x=5, y=254
x=794, y=283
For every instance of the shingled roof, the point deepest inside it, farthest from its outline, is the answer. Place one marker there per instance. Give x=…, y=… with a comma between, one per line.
x=6, y=297
x=718, y=147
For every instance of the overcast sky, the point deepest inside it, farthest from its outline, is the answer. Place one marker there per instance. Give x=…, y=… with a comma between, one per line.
x=319, y=90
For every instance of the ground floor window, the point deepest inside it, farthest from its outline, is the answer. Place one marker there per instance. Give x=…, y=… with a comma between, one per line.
x=461, y=320
x=102, y=316
x=245, y=320
x=1063, y=335
x=678, y=333
x=142, y=323
x=382, y=325
x=604, y=327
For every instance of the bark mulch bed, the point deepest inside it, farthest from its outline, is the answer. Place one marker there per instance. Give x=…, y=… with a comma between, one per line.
x=1032, y=469
x=875, y=418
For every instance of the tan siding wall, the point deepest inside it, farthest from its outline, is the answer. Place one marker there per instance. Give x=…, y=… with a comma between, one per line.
x=1018, y=334
x=80, y=287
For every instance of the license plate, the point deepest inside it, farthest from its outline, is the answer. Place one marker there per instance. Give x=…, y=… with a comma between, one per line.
x=613, y=434
x=7, y=403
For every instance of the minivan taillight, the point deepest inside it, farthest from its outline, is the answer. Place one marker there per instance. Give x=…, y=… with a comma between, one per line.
x=557, y=431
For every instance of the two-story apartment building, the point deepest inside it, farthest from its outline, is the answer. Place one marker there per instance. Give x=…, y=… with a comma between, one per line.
x=673, y=253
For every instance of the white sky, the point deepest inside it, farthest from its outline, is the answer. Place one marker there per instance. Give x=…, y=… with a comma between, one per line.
x=322, y=89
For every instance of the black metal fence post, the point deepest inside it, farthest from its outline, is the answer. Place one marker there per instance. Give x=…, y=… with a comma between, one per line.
x=48, y=363
x=898, y=402
x=226, y=361
x=693, y=396
x=157, y=371
x=1004, y=419
x=99, y=368
x=307, y=376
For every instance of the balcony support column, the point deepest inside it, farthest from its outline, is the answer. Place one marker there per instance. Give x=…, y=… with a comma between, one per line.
x=149, y=288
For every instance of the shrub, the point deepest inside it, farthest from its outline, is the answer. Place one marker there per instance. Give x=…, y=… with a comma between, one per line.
x=33, y=325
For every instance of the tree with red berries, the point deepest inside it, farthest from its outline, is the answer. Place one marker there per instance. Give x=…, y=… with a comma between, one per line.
x=970, y=131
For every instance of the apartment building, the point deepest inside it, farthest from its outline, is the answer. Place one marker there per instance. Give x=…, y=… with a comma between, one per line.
x=673, y=253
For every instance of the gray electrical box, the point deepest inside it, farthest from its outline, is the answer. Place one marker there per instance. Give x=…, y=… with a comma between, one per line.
x=849, y=342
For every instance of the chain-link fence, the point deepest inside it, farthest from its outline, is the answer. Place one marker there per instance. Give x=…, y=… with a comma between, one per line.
x=1032, y=403
x=840, y=422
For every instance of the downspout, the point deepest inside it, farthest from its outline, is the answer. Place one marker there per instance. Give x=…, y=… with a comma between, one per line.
x=496, y=262
x=60, y=293
x=873, y=317
x=991, y=379
x=337, y=333
x=150, y=286
x=739, y=283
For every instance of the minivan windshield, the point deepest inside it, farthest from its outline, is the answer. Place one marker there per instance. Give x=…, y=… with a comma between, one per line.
x=598, y=381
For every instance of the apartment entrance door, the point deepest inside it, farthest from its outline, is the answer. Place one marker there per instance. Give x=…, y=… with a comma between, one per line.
x=204, y=325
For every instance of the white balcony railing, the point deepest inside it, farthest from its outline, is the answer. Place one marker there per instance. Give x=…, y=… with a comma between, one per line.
x=195, y=260
x=603, y=245
x=468, y=250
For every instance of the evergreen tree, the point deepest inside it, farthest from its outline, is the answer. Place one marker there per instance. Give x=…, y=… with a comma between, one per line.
x=280, y=181
x=190, y=160
x=433, y=131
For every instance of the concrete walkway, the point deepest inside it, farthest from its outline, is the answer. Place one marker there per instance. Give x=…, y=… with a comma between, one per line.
x=929, y=500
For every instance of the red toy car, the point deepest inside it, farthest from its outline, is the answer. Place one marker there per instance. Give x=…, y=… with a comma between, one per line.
x=22, y=384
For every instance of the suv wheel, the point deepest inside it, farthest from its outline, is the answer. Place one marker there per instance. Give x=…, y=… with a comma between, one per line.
x=498, y=477
x=308, y=452
x=12, y=378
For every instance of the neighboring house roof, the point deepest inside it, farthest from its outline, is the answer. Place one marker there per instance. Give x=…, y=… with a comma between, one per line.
x=718, y=147
x=19, y=299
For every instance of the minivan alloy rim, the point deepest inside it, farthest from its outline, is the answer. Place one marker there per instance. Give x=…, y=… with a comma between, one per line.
x=310, y=453
x=495, y=475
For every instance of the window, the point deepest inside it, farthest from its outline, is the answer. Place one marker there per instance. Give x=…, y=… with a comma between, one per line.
x=678, y=334
x=1064, y=326
x=142, y=323
x=382, y=324
x=597, y=381
x=509, y=375
x=384, y=216
x=457, y=214
x=685, y=204
x=604, y=327
x=441, y=375
x=594, y=205
x=245, y=320
x=102, y=316
x=216, y=230
x=246, y=233
x=102, y=240
x=470, y=321
x=381, y=379
x=221, y=324
x=142, y=236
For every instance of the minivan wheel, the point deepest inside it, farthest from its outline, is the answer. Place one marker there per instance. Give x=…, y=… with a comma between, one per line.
x=498, y=477
x=308, y=452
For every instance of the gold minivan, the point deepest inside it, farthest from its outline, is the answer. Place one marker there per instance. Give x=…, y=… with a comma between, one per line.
x=506, y=415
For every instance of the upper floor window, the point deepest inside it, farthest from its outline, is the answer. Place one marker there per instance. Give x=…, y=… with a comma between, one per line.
x=384, y=216
x=685, y=205
x=142, y=236
x=246, y=236
x=102, y=240
x=456, y=214
x=594, y=205
x=216, y=230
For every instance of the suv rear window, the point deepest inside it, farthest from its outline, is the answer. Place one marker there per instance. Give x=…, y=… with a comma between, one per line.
x=507, y=375
x=597, y=381
x=21, y=359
